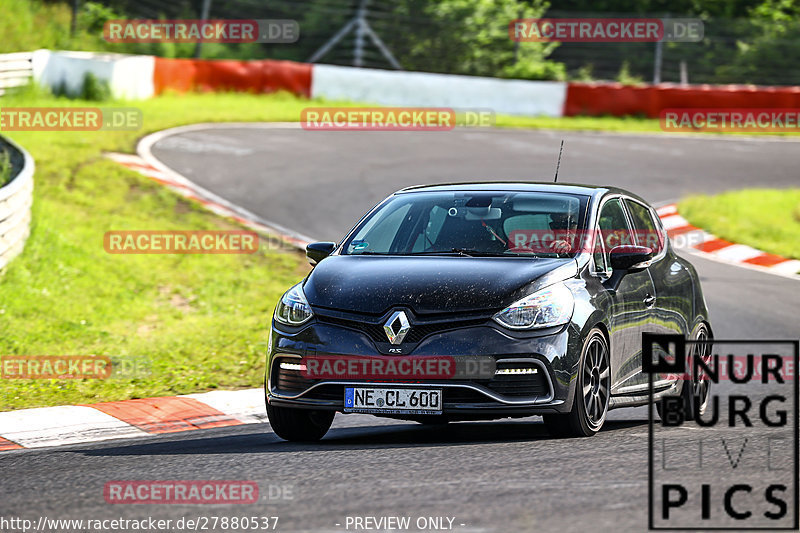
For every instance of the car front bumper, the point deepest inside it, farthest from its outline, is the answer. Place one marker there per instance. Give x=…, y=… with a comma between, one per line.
x=553, y=352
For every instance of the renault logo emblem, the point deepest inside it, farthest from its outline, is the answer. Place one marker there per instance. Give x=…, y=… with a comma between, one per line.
x=397, y=327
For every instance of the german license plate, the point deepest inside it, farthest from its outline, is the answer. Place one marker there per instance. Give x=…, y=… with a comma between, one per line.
x=392, y=401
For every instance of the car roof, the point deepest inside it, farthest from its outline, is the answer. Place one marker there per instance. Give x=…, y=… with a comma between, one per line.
x=521, y=186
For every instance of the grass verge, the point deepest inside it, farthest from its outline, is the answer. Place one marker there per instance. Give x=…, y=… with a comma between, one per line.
x=191, y=322
x=766, y=219
x=615, y=124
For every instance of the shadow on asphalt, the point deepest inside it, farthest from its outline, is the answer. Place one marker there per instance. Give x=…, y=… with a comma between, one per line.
x=349, y=438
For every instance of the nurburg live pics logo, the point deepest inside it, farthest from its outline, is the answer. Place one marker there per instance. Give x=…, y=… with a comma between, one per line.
x=725, y=460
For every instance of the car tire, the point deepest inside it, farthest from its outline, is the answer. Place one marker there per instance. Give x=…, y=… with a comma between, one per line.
x=592, y=392
x=299, y=425
x=699, y=389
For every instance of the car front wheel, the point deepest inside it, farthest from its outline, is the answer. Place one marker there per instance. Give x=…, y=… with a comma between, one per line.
x=592, y=392
x=299, y=425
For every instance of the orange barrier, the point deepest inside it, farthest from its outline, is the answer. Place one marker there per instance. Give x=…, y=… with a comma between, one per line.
x=649, y=100
x=263, y=76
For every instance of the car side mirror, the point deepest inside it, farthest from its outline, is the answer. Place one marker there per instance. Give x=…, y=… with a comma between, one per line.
x=317, y=251
x=626, y=257
x=624, y=260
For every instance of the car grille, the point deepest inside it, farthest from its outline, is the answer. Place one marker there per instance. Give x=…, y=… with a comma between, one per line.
x=327, y=392
x=519, y=385
x=464, y=395
x=418, y=330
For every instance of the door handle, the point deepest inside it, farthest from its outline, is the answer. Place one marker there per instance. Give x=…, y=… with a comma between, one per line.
x=649, y=300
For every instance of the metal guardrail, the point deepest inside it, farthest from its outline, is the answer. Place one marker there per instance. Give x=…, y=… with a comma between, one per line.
x=16, y=70
x=16, y=199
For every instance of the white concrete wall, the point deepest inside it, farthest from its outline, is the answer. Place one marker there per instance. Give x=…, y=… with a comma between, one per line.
x=129, y=77
x=398, y=88
x=132, y=78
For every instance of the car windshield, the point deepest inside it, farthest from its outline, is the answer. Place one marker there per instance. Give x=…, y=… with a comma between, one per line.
x=472, y=224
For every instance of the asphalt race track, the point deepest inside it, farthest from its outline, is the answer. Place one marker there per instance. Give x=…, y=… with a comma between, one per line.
x=490, y=476
x=320, y=183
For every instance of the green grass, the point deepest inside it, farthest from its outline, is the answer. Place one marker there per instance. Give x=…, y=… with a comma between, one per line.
x=5, y=165
x=28, y=25
x=613, y=124
x=616, y=124
x=198, y=322
x=762, y=218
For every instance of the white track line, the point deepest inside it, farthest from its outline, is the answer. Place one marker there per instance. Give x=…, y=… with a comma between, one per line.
x=245, y=405
x=144, y=149
x=68, y=424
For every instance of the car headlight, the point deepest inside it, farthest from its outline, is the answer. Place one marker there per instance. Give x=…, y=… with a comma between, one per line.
x=551, y=306
x=293, y=308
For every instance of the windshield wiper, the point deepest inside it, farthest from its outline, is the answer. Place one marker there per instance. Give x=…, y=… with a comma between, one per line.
x=463, y=252
x=458, y=251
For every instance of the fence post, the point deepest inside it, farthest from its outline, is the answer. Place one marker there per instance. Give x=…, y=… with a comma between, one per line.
x=203, y=16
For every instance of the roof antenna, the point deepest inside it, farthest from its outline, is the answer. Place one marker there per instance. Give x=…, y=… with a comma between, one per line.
x=555, y=179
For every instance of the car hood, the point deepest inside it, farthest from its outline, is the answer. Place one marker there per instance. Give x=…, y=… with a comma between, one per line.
x=427, y=285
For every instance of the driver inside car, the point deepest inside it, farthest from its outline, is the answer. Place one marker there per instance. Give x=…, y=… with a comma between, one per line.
x=560, y=225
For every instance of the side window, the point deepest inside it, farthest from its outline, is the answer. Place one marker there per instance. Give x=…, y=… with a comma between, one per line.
x=644, y=227
x=614, y=231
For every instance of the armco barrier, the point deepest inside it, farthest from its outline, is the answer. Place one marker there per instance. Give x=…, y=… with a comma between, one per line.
x=16, y=199
x=260, y=76
x=16, y=70
x=649, y=100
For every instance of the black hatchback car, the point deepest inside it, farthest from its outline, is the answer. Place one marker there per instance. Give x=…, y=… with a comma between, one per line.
x=479, y=301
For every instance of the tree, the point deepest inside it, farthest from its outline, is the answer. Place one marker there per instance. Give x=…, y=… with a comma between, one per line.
x=470, y=37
